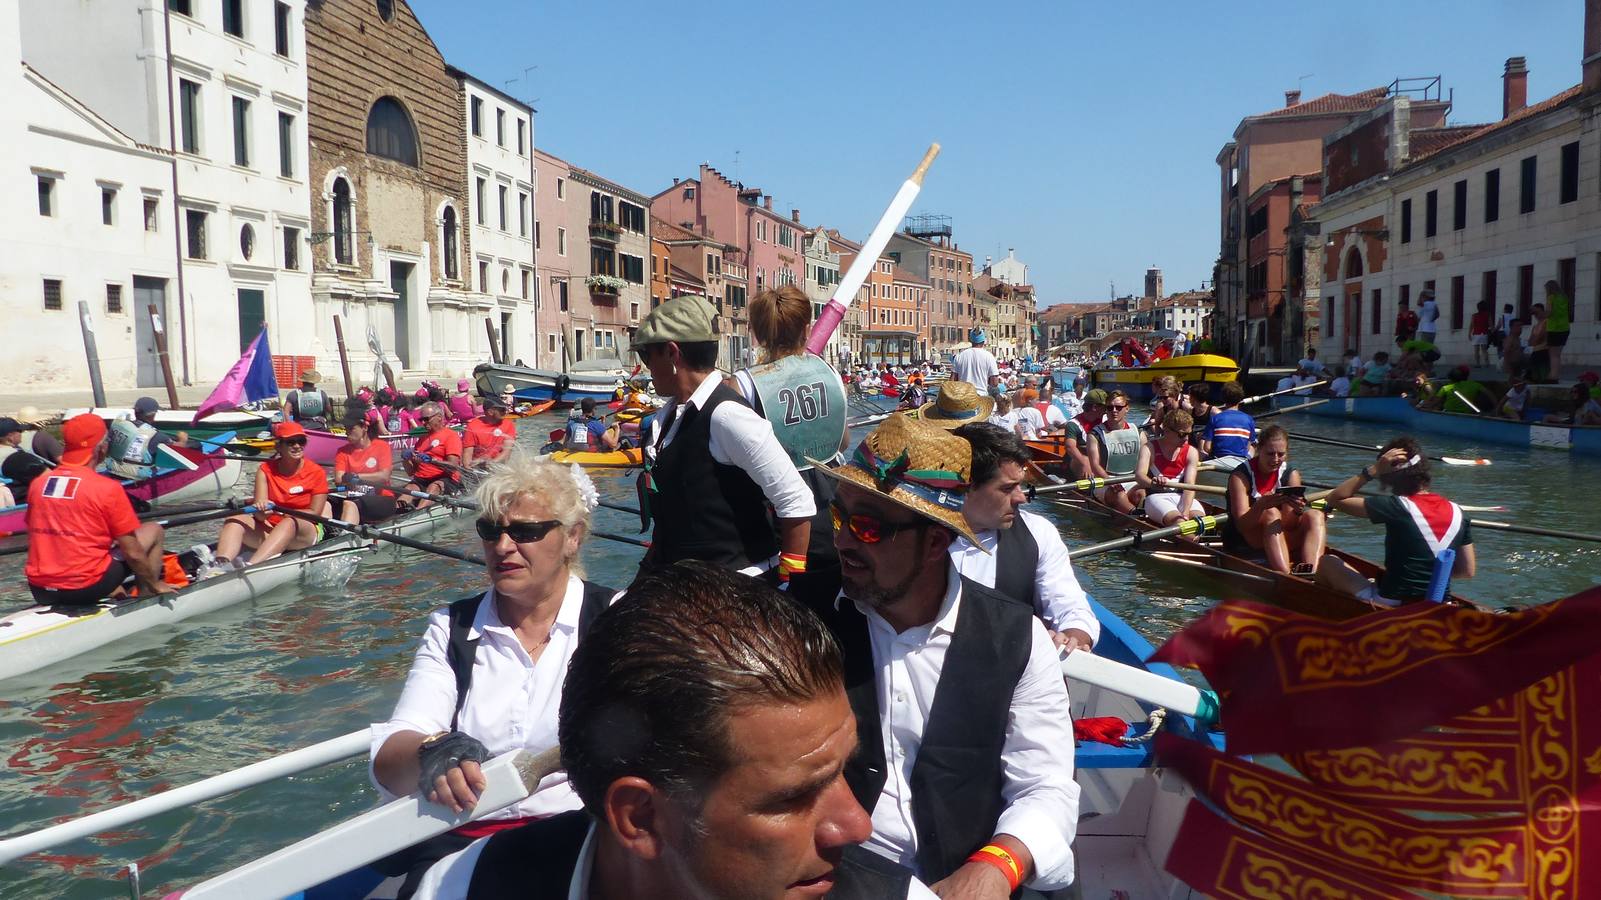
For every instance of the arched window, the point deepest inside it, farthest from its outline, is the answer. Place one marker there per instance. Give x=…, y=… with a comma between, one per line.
x=390, y=133
x=342, y=223
x=1353, y=264
x=452, y=267
x=386, y=10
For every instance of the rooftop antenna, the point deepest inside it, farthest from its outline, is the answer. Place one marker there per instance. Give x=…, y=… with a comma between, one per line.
x=523, y=77
x=1303, y=78
x=736, y=167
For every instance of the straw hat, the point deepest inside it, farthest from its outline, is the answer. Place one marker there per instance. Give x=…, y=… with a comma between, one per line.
x=958, y=404
x=310, y=376
x=921, y=467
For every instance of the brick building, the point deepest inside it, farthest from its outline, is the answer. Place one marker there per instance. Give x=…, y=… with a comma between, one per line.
x=926, y=249
x=713, y=269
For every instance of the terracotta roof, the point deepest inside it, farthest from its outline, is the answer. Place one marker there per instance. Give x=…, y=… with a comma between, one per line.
x=1425, y=141
x=900, y=274
x=1331, y=104
x=1435, y=140
x=663, y=230
x=684, y=276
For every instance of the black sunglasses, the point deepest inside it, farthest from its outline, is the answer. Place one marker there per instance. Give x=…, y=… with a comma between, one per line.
x=294, y=441
x=521, y=532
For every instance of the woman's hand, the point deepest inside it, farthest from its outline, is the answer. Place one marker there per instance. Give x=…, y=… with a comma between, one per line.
x=450, y=774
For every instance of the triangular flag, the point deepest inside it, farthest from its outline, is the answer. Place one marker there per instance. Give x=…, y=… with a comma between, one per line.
x=250, y=379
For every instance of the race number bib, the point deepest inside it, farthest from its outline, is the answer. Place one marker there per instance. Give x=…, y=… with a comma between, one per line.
x=804, y=400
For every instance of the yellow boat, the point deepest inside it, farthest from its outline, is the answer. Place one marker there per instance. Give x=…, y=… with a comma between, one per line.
x=615, y=459
x=1136, y=382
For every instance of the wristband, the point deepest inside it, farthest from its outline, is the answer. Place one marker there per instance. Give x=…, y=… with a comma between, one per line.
x=790, y=564
x=1002, y=859
x=1366, y=474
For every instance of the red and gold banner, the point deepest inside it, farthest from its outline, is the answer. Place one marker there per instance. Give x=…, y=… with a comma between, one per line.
x=1291, y=684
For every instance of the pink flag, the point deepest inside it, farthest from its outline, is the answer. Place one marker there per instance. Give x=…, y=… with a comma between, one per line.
x=250, y=379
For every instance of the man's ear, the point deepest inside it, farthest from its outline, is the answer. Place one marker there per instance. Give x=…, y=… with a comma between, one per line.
x=634, y=812
x=938, y=544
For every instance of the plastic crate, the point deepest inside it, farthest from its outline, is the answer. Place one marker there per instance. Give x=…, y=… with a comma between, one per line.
x=287, y=369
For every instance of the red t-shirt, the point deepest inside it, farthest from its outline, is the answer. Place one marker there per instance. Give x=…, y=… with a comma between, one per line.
x=1479, y=324
x=74, y=513
x=376, y=459
x=440, y=445
x=488, y=440
x=295, y=491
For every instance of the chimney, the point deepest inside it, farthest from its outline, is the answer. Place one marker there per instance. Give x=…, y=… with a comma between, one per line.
x=1292, y=97
x=1592, y=45
x=675, y=179
x=1514, y=86
x=794, y=216
x=767, y=202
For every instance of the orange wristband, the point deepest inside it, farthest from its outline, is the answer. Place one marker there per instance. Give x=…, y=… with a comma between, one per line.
x=791, y=563
x=1001, y=859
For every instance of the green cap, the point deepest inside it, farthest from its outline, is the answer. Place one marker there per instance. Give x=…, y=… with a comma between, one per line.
x=1094, y=395
x=685, y=319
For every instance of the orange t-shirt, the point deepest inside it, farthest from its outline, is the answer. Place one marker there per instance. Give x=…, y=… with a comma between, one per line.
x=295, y=491
x=440, y=445
x=74, y=513
x=489, y=440
x=376, y=459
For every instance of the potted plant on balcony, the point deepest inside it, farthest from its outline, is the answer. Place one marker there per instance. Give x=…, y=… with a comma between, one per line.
x=605, y=284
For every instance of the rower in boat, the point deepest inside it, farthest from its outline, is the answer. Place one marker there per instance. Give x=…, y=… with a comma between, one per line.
x=1419, y=526
x=363, y=467
x=1019, y=553
x=1461, y=394
x=487, y=678
x=308, y=404
x=1076, y=436
x=439, y=445
x=131, y=445
x=21, y=459
x=587, y=431
x=1198, y=403
x=488, y=436
x=462, y=407
x=288, y=480
x=1166, y=394
x=1268, y=512
x=1169, y=458
x=76, y=517
x=1229, y=433
x=673, y=811
x=1584, y=409
x=1516, y=401
x=1115, y=447
x=713, y=465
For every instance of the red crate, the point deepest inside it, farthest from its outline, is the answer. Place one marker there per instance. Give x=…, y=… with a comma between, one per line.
x=287, y=369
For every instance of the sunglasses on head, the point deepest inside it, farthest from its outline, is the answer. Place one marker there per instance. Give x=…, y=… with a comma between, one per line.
x=865, y=528
x=521, y=532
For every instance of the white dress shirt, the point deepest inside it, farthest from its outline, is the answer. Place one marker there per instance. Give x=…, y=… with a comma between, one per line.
x=1041, y=797
x=975, y=365
x=1058, y=599
x=449, y=878
x=511, y=704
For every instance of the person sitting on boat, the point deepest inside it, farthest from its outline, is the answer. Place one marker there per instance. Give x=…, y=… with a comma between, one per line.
x=1115, y=447
x=388, y=403
x=1076, y=436
x=18, y=463
x=1265, y=517
x=84, y=538
x=1352, y=361
x=1341, y=385
x=587, y=432
x=131, y=447
x=1004, y=415
x=971, y=744
x=367, y=399
x=1019, y=553
x=309, y=405
x=1167, y=460
x=1376, y=376
x=435, y=462
x=1461, y=394
x=1165, y=397
x=1585, y=409
x=1516, y=401
x=487, y=678
x=1310, y=363
x=462, y=407
x=747, y=706
x=363, y=467
x=1069, y=400
x=713, y=466
x=488, y=436
x=1198, y=403
x=1050, y=414
x=288, y=480
x=1418, y=526
x=1030, y=421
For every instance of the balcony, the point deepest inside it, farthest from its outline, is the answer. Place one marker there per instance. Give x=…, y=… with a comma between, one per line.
x=601, y=230
x=604, y=287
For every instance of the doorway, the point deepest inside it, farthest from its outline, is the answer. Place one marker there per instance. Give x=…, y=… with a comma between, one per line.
x=252, y=315
x=1352, y=326
x=506, y=354
x=400, y=283
x=148, y=292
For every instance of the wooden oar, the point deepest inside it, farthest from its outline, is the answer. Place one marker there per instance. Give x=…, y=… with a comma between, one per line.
x=1289, y=409
x=1214, y=570
x=1351, y=445
x=468, y=504
x=1300, y=387
x=1187, y=527
x=374, y=534
x=1168, y=693
x=1530, y=529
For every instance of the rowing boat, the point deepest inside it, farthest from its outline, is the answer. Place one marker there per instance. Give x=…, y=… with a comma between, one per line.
x=532, y=409
x=1581, y=439
x=173, y=421
x=41, y=636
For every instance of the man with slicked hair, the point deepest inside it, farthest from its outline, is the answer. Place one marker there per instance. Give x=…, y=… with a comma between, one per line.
x=705, y=727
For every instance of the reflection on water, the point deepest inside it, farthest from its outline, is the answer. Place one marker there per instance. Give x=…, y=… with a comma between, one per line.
x=321, y=659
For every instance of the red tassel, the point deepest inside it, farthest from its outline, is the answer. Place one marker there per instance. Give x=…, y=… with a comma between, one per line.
x=1101, y=729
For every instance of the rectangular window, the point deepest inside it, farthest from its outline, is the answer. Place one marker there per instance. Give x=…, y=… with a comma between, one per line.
x=286, y=145
x=477, y=117
x=189, y=115
x=631, y=217
x=500, y=127
x=1525, y=291
x=1406, y=221
x=522, y=214
x=561, y=189
x=1567, y=271
x=1377, y=316
x=280, y=28
x=47, y=195
x=1526, y=184
x=561, y=244
x=152, y=214
x=1459, y=291
x=483, y=277
x=480, y=199
x=1459, y=205
x=181, y=7
x=52, y=293
x=233, y=17
x=1570, y=172
x=633, y=312
x=1492, y=195
x=241, y=131
x=292, y=248
x=561, y=294
x=1406, y=294
x=550, y=343
x=503, y=204
x=602, y=261
x=522, y=138
x=539, y=233
x=633, y=268
x=523, y=274
x=1431, y=213
x=113, y=299
x=1487, y=295
x=195, y=233
x=108, y=206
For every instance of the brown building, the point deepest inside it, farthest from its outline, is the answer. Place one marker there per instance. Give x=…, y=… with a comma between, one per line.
x=926, y=249
x=387, y=173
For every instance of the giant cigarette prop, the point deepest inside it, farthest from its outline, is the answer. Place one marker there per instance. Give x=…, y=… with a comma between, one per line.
x=834, y=311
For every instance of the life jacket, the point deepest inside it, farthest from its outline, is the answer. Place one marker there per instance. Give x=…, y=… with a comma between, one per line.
x=129, y=442
x=1256, y=488
x=309, y=404
x=578, y=436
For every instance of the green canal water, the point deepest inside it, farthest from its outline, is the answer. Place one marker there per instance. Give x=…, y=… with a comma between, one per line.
x=309, y=663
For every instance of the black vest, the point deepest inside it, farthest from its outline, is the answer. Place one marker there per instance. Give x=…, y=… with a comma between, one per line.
x=1017, y=556
x=538, y=861
x=703, y=509
x=462, y=650
x=957, y=779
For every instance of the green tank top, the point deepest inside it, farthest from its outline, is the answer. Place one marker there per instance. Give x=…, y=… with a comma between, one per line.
x=1122, y=449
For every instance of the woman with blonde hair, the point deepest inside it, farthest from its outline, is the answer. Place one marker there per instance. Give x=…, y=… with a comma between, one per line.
x=487, y=678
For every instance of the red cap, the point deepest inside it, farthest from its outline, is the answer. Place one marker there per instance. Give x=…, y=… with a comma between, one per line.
x=288, y=430
x=1590, y=378
x=81, y=434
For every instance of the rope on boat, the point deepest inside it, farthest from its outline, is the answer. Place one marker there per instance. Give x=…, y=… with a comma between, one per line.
x=1157, y=717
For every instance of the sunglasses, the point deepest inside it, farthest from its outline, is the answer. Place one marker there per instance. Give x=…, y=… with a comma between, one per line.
x=293, y=442
x=1118, y=406
x=521, y=532
x=865, y=528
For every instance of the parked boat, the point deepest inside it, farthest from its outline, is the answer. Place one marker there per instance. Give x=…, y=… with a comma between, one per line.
x=243, y=421
x=41, y=636
x=1136, y=382
x=566, y=388
x=1582, y=439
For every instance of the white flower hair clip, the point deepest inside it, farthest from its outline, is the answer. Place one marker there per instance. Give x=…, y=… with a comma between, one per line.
x=586, y=488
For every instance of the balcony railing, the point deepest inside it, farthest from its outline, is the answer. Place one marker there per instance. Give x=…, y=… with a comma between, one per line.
x=604, y=231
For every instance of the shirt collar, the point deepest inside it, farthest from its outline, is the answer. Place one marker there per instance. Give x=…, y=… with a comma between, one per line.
x=488, y=616
x=704, y=391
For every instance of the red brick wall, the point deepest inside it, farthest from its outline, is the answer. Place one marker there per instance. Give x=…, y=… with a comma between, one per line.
x=1359, y=155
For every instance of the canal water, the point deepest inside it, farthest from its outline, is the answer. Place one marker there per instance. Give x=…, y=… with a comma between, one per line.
x=308, y=663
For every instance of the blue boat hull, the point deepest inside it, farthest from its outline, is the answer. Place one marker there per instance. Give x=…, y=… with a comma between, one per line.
x=1583, y=440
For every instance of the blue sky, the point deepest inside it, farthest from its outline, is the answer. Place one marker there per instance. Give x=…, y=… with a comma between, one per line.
x=1081, y=134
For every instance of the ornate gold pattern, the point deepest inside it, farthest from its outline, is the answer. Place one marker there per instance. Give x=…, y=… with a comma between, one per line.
x=1323, y=655
x=1436, y=772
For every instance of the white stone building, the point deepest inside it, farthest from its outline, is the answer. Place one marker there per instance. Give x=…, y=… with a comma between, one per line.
x=822, y=278
x=1010, y=270
x=500, y=175
x=1184, y=313
x=228, y=101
